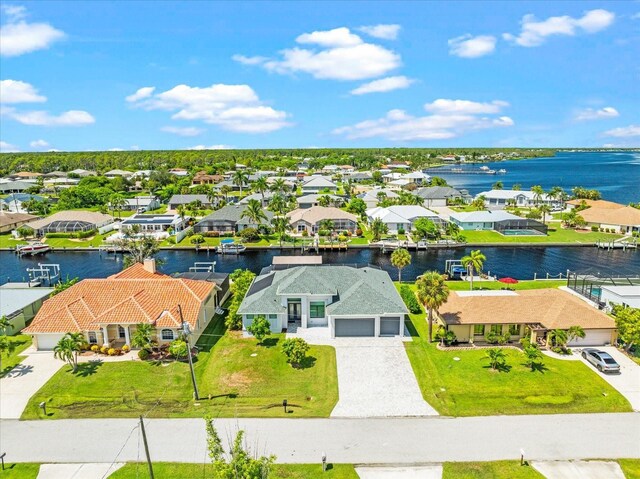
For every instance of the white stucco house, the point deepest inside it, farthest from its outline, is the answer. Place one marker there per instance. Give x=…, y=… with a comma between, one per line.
x=401, y=217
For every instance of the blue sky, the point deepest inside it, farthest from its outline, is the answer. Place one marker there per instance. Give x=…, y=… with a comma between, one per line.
x=168, y=75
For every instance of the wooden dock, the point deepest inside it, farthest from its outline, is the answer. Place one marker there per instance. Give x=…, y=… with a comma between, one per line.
x=623, y=245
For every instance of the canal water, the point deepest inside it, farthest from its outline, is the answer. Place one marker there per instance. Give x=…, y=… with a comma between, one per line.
x=520, y=263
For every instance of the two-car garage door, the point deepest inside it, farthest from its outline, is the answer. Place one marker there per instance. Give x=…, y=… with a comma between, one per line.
x=593, y=337
x=350, y=327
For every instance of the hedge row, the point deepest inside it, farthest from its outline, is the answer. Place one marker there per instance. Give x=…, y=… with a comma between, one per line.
x=410, y=299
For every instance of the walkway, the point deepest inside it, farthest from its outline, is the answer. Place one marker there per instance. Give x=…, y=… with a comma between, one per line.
x=627, y=382
x=79, y=471
x=579, y=469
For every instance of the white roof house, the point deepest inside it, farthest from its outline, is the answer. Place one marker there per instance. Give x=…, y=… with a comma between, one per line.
x=481, y=220
x=313, y=184
x=621, y=295
x=501, y=198
x=401, y=216
x=417, y=177
x=371, y=197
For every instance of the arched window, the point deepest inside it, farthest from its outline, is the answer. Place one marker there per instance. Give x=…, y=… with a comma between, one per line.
x=167, y=334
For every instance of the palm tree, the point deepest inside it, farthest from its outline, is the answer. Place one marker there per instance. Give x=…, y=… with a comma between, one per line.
x=261, y=185
x=117, y=203
x=240, y=178
x=212, y=197
x=432, y=292
x=479, y=203
x=182, y=211
x=225, y=190
x=400, y=258
x=279, y=185
x=556, y=192
x=254, y=212
x=575, y=332
x=68, y=347
x=538, y=193
x=497, y=358
x=473, y=262
x=545, y=209
x=326, y=224
x=278, y=203
x=378, y=228
x=557, y=338
x=141, y=337
x=348, y=188
x=281, y=225
x=498, y=185
x=533, y=356
x=324, y=200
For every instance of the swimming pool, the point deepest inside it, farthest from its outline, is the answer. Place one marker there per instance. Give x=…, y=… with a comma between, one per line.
x=523, y=232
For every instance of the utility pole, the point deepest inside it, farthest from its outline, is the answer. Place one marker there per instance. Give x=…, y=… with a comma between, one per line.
x=146, y=448
x=186, y=331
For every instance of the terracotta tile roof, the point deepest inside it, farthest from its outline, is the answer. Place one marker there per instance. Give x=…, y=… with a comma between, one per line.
x=553, y=308
x=603, y=204
x=625, y=216
x=131, y=297
x=316, y=214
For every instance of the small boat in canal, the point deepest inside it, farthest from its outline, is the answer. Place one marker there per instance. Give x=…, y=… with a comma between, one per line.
x=231, y=247
x=33, y=248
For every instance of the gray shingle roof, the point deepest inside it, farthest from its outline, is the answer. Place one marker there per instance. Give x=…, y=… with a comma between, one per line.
x=437, y=192
x=186, y=199
x=233, y=213
x=356, y=291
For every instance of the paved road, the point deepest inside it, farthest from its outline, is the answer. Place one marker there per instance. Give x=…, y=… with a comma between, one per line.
x=360, y=441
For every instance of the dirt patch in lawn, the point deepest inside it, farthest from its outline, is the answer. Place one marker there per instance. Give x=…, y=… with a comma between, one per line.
x=239, y=381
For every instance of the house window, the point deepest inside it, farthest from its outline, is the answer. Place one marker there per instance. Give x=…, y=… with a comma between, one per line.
x=167, y=334
x=478, y=330
x=249, y=317
x=92, y=338
x=121, y=333
x=496, y=328
x=316, y=309
x=273, y=317
x=514, y=329
x=301, y=228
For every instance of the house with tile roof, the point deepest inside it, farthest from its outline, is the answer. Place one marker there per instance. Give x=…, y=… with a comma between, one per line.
x=529, y=313
x=107, y=310
x=309, y=219
x=349, y=301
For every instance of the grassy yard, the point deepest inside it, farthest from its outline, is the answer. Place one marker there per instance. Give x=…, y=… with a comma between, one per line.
x=555, y=236
x=478, y=285
x=630, y=467
x=22, y=342
x=24, y=470
x=7, y=241
x=467, y=387
x=242, y=378
x=489, y=470
x=169, y=470
x=92, y=241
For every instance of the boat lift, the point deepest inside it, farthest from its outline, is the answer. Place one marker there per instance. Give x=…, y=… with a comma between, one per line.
x=44, y=273
x=201, y=266
x=455, y=269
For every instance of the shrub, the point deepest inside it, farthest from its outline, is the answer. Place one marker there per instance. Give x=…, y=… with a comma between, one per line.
x=104, y=349
x=189, y=233
x=594, y=228
x=400, y=231
x=305, y=233
x=111, y=352
x=95, y=348
x=446, y=337
x=143, y=354
x=342, y=238
x=178, y=349
x=249, y=234
x=295, y=349
x=196, y=239
x=126, y=348
x=324, y=232
x=497, y=338
x=358, y=232
x=260, y=328
x=240, y=282
x=410, y=300
x=212, y=234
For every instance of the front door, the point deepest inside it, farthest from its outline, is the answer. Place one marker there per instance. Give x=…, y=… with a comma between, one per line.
x=294, y=310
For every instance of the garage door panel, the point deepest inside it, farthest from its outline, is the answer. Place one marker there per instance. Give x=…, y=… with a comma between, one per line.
x=389, y=326
x=355, y=327
x=593, y=337
x=46, y=342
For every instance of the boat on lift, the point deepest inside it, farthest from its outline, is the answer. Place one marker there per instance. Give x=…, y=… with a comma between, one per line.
x=231, y=247
x=33, y=248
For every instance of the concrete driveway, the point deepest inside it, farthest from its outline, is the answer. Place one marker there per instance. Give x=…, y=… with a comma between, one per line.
x=627, y=382
x=400, y=472
x=79, y=471
x=23, y=381
x=375, y=379
x=579, y=469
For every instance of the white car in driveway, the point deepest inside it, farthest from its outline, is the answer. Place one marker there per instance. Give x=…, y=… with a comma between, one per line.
x=601, y=360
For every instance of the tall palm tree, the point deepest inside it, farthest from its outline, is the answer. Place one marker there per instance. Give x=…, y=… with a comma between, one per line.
x=261, y=185
x=474, y=262
x=538, y=193
x=117, y=203
x=212, y=197
x=479, y=203
x=225, y=190
x=432, y=292
x=326, y=224
x=575, y=332
x=378, y=228
x=254, y=212
x=281, y=225
x=240, y=178
x=279, y=186
x=278, y=204
x=324, y=200
x=68, y=347
x=400, y=258
x=545, y=209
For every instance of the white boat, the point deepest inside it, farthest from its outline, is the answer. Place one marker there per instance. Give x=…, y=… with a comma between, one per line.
x=232, y=248
x=33, y=248
x=484, y=167
x=502, y=171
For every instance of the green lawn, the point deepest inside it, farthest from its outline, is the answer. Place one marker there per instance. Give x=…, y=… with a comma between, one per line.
x=169, y=470
x=22, y=342
x=93, y=241
x=630, y=467
x=24, y=470
x=489, y=470
x=467, y=387
x=240, y=384
x=477, y=285
x=7, y=241
x=555, y=236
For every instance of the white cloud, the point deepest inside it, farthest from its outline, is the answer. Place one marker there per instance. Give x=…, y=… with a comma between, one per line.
x=18, y=37
x=8, y=147
x=385, y=32
x=624, y=131
x=44, y=118
x=383, y=85
x=445, y=123
x=141, y=94
x=534, y=32
x=183, y=131
x=336, y=54
x=115, y=149
x=39, y=144
x=257, y=60
x=467, y=46
x=465, y=107
x=16, y=91
x=591, y=114
x=232, y=107
x=211, y=147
